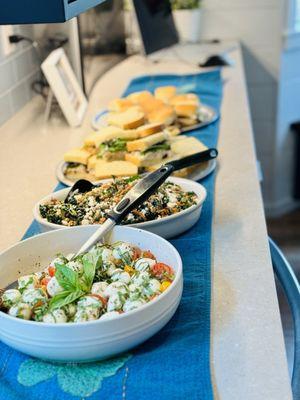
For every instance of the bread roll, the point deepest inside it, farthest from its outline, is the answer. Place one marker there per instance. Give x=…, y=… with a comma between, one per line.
x=119, y=105
x=165, y=93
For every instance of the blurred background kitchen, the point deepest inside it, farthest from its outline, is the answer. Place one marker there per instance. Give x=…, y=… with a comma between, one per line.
x=269, y=32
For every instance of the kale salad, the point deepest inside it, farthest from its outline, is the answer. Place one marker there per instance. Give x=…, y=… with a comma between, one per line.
x=92, y=207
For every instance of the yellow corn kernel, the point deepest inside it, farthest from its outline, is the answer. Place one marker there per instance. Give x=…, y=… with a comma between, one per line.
x=164, y=285
x=129, y=269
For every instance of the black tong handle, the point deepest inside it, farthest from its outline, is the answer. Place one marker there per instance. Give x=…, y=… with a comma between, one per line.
x=194, y=159
x=148, y=185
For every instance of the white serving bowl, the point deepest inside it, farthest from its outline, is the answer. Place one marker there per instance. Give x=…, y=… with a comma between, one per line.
x=166, y=227
x=87, y=341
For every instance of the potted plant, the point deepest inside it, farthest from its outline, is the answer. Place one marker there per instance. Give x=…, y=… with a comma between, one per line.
x=187, y=16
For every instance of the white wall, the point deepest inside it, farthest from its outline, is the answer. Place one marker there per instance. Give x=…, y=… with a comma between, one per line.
x=258, y=25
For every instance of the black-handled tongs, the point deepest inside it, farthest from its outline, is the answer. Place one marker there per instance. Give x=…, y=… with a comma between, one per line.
x=139, y=193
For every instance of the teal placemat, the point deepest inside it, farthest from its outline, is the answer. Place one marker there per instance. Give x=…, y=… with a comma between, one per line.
x=174, y=364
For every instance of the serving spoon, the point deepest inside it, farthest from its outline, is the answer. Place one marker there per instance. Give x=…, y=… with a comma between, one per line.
x=133, y=198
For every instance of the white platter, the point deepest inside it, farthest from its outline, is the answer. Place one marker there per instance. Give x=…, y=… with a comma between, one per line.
x=167, y=227
x=207, y=115
x=94, y=340
x=197, y=174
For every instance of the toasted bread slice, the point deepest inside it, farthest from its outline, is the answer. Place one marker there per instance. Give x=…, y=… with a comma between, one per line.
x=186, y=109
x=151, y=104
x=148, y=159
x=172, y=130
x=165, y=93
x=163, y=115
x=146, y=142
x=77, y=155
x=149, y=129
x=104, y=169
x=129, y=119
x=188, y=121
x=109, y=133
x=119, y=105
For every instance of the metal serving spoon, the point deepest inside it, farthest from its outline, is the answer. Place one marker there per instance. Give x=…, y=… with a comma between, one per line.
x=136, y=196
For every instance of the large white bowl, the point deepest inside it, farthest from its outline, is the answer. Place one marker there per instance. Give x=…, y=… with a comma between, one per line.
x=93, y=340
x=166, y=227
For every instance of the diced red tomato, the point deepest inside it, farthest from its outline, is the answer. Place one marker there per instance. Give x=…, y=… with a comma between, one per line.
x=136, y=253
x=51, y=271
x=161, y=270
x=102, y=299
x=44, y=281
x=148, y=254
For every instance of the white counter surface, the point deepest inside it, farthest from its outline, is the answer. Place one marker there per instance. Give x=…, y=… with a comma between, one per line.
x=248, y=357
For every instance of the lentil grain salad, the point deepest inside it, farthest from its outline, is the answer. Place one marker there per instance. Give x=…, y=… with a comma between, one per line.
x=92, y=207
x=103, y=283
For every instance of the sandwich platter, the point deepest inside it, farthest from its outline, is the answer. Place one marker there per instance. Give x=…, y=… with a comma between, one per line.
x=206, y=115
x=198, y=173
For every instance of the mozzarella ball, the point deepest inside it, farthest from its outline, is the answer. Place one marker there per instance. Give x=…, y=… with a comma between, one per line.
x=11, y=297
x=144, y=264
x=86, y=314
x=115, y=287
x=27, y=282
x=152, y=288
x=20, y=310
x=57, y=316
x=110, y=315
x=141, y=279
x=75, y=266
x=53, y=287
x=99, y=288
x=123, y=251
x=132, y=305
x=107, y=256
x=115, y=302
x=111, y=269
x=121, y=276
x=89, y=301
x=34, y=296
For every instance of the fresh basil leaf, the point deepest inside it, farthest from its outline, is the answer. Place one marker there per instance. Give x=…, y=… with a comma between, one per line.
x=66, y=277
x=89, y=269
x=64, y=298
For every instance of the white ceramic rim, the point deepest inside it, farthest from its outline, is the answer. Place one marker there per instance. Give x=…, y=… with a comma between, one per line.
x=200, y=200
x=45, y=325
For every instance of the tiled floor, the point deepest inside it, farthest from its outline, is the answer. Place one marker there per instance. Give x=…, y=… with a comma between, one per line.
x=285, y=231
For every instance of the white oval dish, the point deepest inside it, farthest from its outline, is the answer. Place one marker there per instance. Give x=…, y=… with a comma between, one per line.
x=167, y=227
x=94, y=340
x=196, y=175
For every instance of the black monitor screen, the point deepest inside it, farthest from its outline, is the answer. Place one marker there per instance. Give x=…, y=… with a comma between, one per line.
x=156, y=24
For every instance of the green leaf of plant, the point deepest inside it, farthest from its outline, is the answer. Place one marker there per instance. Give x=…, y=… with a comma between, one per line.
x=66, y=277
x=89, y=269
x=64, y=298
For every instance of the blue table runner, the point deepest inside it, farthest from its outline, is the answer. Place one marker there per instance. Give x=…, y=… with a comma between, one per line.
x=173, y=364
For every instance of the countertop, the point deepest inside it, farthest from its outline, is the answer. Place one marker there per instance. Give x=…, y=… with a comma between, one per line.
x=248, y=357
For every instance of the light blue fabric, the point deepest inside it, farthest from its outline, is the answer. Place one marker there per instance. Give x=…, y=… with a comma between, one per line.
x=174, y=364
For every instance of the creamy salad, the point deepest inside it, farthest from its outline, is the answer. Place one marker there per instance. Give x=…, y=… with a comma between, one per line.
x=105, y=282
x=92, y=207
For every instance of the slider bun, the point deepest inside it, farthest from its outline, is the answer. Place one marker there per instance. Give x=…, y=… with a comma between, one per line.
x=137, y=97
x=104, y=169
x=186, y=109
x=165, y=93
x=77, y=155
x=164, y=115
x=146, y=142
x=108, y=133
x=130, y=119
x=119, y=105
x=149, y=129
x=179, y=98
